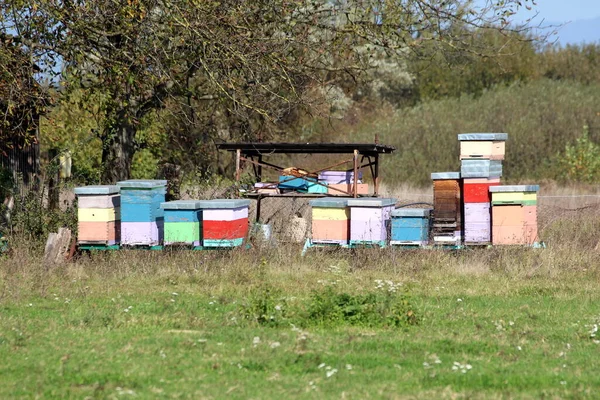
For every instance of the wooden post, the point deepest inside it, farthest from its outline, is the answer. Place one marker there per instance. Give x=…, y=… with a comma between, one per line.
x=376, y=177
x=355, y=179
x=53, y=180
x=260, y=160
x=238, y=171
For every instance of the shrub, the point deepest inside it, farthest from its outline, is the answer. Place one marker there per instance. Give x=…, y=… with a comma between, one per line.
x=581, y=160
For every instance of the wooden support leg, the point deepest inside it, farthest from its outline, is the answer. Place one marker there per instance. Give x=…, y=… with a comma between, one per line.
x=376, y=175
x=238, y=171
x=355, y=179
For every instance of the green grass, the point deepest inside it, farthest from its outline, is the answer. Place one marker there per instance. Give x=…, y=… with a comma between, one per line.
x=163, y=325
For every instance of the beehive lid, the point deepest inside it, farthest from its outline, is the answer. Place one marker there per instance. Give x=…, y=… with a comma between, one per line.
x=181, y=205
x=143, y=183
x=371, y=202
x=97, y=189
x=514, y=188
x=445, y=175
x=411, y=212
x=224, y=203
x=463, y=137
x=329, y=202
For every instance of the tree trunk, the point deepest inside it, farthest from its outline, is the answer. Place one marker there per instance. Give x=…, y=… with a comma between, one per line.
x=118, y=149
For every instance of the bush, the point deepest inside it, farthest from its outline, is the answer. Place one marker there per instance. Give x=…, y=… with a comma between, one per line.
x=581, y=160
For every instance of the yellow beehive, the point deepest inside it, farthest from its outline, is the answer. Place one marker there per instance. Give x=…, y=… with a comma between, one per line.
x=98, y=214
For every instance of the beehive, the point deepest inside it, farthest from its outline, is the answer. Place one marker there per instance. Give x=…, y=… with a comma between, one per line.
x=477, y=220
x=142, y=220
x=330, y=220
x=490, y=146
x=514, y=214
x=98, y=215
x=476, y=190
x=339, y=177
x=446, y=218
x=291, y=183
x=182, y=222
x=224, y=222
x=361, y=188
x=370, y=220
x=480, y=168
x=516, y=194
x=410, y=226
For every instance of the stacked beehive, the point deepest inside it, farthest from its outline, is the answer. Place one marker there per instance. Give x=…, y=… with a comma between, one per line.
x=142, y=220
x=182, y=222
x=446, y=218
x=370, y=220
x=224, y=222
x=481, y=156
x=330, y=220
x=514, y=214
x=98, y=215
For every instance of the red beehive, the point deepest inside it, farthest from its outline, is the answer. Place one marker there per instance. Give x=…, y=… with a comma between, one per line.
x=476, y=190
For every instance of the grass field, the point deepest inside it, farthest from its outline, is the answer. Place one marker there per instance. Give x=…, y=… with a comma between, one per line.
x=488, y=323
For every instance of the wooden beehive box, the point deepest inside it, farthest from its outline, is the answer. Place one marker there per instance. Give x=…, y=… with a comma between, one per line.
x=142, y=220
x=477, y=223
x=514, y=194
x=480, y=168
x=330, y=220
x=514, y=215
x=446, y=217
x=370, y=220
x=98, y=215
x=224, y=222
x=482, y=145
x=410, y=226
x=476, y=190
x=339, y=177
x=182, y=222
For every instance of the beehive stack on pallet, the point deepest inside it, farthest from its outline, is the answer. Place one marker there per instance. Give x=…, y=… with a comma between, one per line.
x=481, y=157
x=446, y=218
x=224, y=222
x=98, y=216
x=182, y=222
x=370, y=220
x=330, y=221
x=514, y=214
x=142, y=220
x=410, y=227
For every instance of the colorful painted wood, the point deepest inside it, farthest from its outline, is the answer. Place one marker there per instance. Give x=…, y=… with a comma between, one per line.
x=314, y=187
x=447, y=212
x=476, y=190
x=490, y=146
x=410, y=226
x=290, y=183
x=338, y=177
x=182, y=222
x=477, y=225
x=142, y=222
x=330, y=220
x=514, y=194
x=370, y=220
x=98, y=215
x=224, y=222
x=361, y=188
x=514, y=224
x=480, y=168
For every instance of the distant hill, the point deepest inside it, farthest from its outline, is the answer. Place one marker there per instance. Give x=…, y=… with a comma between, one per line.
x=579, y=32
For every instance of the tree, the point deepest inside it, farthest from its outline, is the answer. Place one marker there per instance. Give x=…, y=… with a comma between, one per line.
x=247, y=67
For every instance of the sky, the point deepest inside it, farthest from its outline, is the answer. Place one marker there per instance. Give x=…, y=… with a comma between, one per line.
x=562, y=10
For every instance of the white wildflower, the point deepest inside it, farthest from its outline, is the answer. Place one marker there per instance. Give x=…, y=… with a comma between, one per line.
x=275, y=345
x=322, y=365
x=349, y=367
x=256, y=341
x=331, y=372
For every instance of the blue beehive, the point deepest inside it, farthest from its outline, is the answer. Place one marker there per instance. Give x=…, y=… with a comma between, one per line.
x=142, y=220
x=410, y=226
x=480, y=168
x=291, y=183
